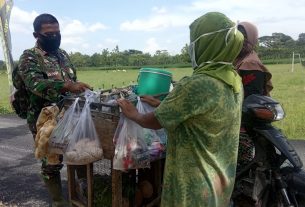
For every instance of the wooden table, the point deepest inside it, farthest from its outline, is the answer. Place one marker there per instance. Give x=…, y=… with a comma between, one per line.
x=105, y=125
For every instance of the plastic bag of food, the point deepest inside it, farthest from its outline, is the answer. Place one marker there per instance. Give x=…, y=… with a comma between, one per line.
x=84, y=146
x=61, y=134
x=131, y=151
x=45, y=125
x=154, y=139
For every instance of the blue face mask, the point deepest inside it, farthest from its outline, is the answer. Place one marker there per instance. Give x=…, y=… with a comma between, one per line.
x=192, y=45
x=49, y=42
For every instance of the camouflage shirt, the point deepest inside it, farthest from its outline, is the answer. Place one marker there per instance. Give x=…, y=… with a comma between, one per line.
x=44, y=75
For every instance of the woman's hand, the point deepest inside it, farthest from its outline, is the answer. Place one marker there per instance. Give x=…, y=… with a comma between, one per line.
x=128, y=109
x=145, y=120
x=151, y=100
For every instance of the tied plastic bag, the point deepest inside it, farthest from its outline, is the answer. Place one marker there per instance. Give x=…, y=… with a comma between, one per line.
x=154, y=139
x=61, y=134
x=84, y=146
x=45, y=125
x=131, y=151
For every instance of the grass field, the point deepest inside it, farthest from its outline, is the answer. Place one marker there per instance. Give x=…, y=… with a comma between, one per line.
x=289, y=89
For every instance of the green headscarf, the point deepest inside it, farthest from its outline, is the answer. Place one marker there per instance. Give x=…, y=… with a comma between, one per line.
x=218, y=49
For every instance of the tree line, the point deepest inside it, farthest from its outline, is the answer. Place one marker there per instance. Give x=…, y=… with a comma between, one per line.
x=129, y=58
x=277, y=48
x=274, y=49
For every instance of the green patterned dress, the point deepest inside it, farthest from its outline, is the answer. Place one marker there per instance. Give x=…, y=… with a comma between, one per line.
x=202, y=117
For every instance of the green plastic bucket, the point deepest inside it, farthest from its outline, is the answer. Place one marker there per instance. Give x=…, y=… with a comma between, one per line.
x=153, y=81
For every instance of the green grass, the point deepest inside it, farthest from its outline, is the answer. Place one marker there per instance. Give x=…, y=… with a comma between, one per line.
x=289, y=90
x=4, y=94
x=113, y=78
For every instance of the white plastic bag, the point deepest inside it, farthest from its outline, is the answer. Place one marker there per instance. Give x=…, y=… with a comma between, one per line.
x=131, y=151
x=154, y=139
x=84, y=146
x=60, y=135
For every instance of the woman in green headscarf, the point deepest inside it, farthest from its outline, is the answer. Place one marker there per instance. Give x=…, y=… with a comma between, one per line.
x=202, y=117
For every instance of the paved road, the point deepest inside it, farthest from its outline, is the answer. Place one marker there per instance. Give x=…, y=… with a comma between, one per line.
x=20, y=184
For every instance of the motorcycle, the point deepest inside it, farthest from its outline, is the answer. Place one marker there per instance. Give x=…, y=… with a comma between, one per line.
x=271, y=174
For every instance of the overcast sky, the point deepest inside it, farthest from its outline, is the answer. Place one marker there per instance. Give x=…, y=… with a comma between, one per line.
x=146, y=25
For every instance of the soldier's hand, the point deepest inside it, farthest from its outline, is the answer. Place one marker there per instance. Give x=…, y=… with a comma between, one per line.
x=75, y=87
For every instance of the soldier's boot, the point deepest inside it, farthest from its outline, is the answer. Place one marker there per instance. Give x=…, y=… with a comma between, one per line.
x=53, y=185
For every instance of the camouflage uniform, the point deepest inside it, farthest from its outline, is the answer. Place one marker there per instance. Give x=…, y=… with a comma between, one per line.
x=44, y=75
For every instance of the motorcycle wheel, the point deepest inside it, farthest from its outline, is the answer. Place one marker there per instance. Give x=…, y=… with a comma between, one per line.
x=301, y=201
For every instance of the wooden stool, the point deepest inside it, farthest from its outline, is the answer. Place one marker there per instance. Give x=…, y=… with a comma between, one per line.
x=155, y=173
x=116, y=177
x=72, y=187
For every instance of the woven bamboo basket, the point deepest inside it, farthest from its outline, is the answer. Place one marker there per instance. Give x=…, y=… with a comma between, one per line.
x=105, y=118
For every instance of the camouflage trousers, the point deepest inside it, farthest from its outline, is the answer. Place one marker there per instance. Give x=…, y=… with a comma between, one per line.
x=47, y=171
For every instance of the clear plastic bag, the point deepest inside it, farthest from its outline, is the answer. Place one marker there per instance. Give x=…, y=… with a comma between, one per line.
x=84, y=146
x=131, y=151
x=61, y=134
x=155, y=139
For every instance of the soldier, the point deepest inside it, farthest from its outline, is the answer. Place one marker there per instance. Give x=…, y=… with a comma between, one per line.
x=47, y=73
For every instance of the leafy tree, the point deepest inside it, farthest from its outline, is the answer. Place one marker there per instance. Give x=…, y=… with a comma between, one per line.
x=96, y=60
x=185, y=57
x=79, y=60
x=276, y=47
x=132, y=52
x=277, y=40
x=301, y=40
x=161, y=57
